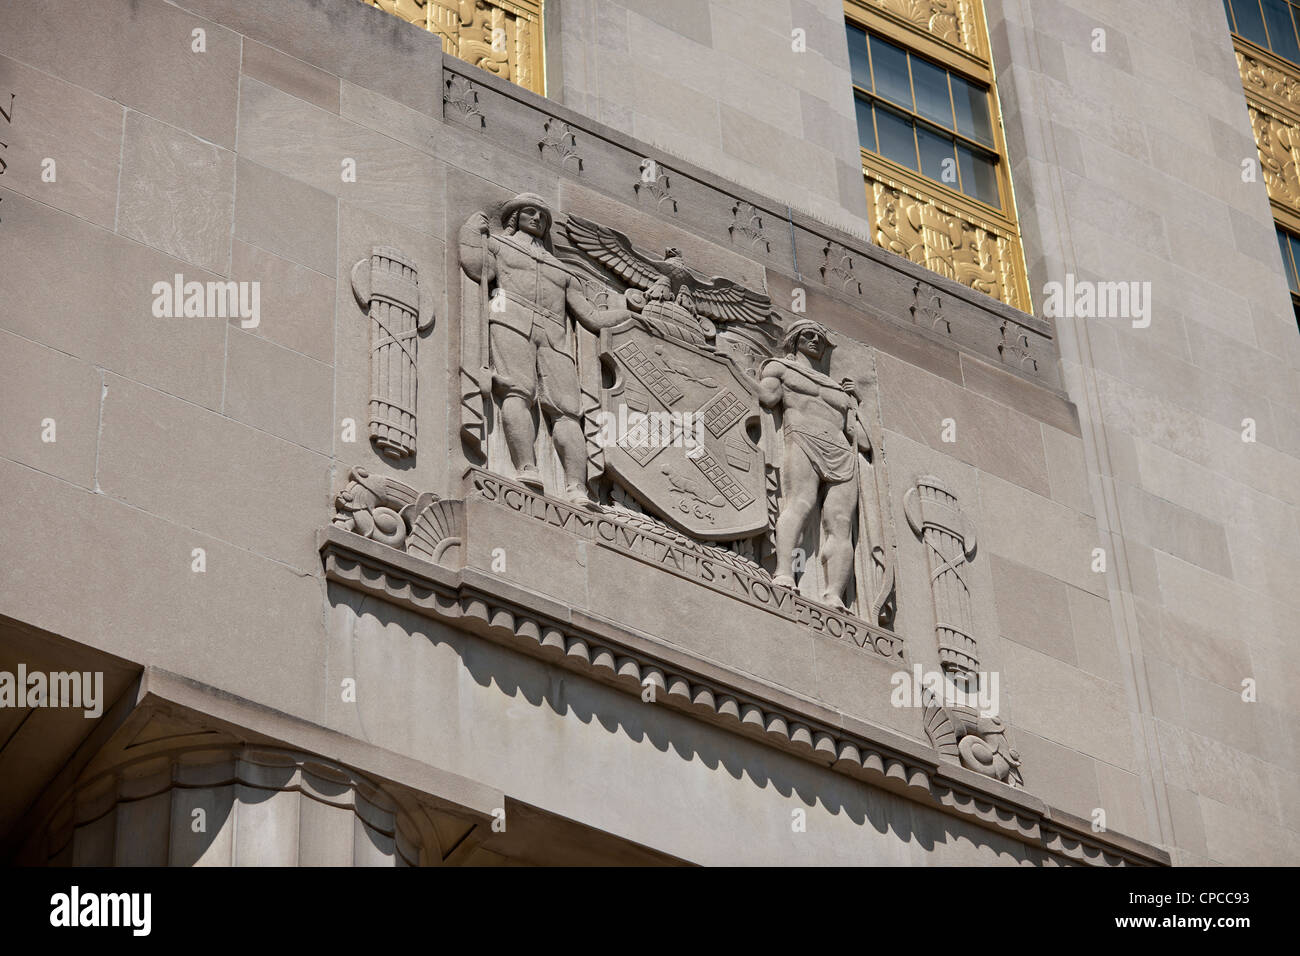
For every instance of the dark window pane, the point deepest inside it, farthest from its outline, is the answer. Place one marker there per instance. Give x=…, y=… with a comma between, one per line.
x=858, y=64
x=1249, y=22
x=890, y=65
x=1286, y=261
x=1227, y=8
x=931, y=85
x=1281, y=31
x=896, y=137
x=972, y=105
x=1294, y=262
x=866, y=130
x=979, y=177
x=937, y=158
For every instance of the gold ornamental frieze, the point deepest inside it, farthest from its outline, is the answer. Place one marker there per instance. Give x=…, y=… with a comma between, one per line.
x=954, y=22
x=1277, y=140
x=1269, y=81
x=947, y=240
x=503, y=37
x=1272, y=87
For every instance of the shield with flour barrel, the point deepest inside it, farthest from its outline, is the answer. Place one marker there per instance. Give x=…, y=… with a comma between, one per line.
x=681, y=428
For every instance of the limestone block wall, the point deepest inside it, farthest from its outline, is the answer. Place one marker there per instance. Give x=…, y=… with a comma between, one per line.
x=177, y=434
x=1128, y=166
x=720, y=83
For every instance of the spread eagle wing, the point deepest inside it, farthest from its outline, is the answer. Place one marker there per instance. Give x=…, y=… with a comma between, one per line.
x=614, y=251
x=725, y=301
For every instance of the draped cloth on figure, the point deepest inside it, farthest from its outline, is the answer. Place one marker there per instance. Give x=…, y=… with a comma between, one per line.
x=828, y=450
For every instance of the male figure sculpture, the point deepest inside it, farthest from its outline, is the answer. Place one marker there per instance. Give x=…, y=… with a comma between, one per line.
x=823, y=436
x=531, y=357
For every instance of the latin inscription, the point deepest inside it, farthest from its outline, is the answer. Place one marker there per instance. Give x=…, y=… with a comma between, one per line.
x=718, y=575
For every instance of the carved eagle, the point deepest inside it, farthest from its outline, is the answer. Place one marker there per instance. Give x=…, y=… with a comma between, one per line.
x=668, y=278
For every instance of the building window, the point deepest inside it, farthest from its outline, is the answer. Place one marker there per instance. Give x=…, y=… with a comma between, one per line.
x=938, y=190
x=1289, y=244
x=923, y=116
x=1267, y=45
x=503, y=37
x=1270, y=24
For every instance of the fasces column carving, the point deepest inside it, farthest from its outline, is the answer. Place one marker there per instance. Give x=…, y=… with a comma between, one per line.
x=933, y=513
x=386, y=284
x=954, y=722
x=230, y=806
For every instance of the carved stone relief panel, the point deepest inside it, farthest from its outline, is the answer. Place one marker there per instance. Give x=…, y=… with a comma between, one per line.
x=460, y=98
x=747, y=227
x=387, y=285
x=955, y=725
x=927, y=308
x=622, y=382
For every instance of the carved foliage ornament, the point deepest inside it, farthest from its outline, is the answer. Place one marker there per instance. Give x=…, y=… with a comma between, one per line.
x=1268, y=81
x=747, y=223
x=1278, y=141
x=461, y=97
x=952, y=21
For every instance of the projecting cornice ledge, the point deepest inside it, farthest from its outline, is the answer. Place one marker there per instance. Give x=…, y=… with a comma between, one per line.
x=480, y=604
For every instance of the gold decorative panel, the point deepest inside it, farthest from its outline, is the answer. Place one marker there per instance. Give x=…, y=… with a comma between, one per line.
x=1272, y=88
x=946, y=239
x=937, y=224
x=501, y=36
x=952, y=21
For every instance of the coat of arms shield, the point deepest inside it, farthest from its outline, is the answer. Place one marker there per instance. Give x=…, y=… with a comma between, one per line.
x=683, y=430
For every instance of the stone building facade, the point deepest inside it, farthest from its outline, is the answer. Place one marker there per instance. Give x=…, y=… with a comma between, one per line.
x=568, y=432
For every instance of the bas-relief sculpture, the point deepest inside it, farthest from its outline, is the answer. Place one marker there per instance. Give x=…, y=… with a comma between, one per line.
x=386, y=284
x=1272, y=88
x=723, y=423
x=762, y=486
x=825, y=455
x=956, y=729
x=529, y=300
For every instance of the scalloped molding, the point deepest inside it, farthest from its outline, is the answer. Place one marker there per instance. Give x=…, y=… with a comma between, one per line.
x=477, y=603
